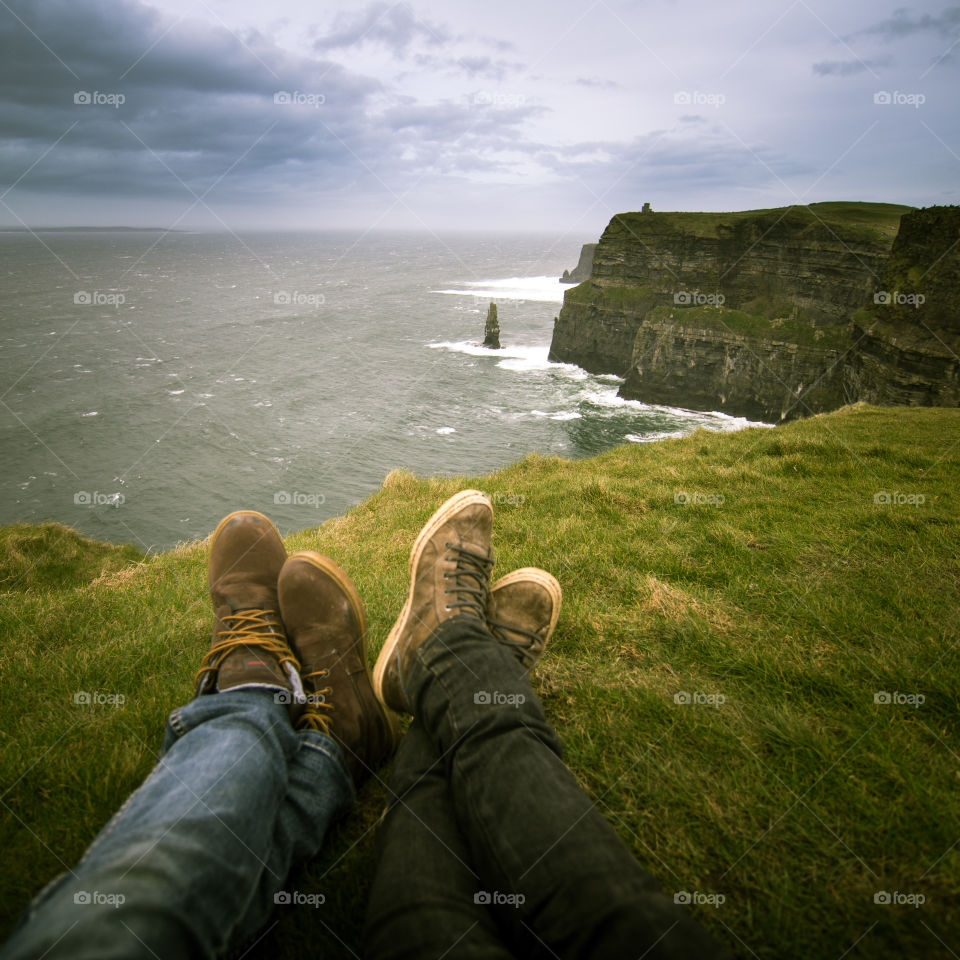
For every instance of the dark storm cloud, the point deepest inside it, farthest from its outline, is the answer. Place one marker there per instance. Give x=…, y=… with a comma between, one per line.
x=849, y=68
x=903, y=24
x=188, y=105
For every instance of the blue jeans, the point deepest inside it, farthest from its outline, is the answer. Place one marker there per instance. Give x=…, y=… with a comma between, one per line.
x=190, y=864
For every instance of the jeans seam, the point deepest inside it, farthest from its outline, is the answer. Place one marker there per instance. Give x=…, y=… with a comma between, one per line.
x=176, y=723
x=336, y=757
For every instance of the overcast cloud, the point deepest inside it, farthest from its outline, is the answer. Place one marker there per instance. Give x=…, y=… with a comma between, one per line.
x=229, y=114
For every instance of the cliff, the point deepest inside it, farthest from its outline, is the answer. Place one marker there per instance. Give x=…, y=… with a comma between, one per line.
x=707, y=363
x=750, y=312
x=584, y=265
x=908, y=336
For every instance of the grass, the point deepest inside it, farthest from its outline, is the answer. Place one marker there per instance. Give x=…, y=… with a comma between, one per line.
x=763, y=319
x=613, y=295
x=782, y=586
x=739, y=322
x=850, y=220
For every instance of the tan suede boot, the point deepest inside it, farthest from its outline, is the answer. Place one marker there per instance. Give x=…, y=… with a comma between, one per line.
x=249, y=647
x=523, y=611
x=449, y=574
x=325, y=619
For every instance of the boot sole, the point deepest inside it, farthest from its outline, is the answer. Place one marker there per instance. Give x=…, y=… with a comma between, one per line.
x=343, y=581
x=546, y=580
x=228, y=518
x=453, y=505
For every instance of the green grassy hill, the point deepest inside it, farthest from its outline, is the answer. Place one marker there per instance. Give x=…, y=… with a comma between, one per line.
x=800, y=586
x=857, y=217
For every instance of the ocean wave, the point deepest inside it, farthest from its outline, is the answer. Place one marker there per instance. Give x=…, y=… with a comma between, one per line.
x=519, y=357
x=712, y=419
x=650, y=437
x=542, y=289
x=558, y=414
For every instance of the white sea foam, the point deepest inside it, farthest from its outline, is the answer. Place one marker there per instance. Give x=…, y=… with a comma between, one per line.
x=445, y=430
x=649, y=437
x=712, y=419
x=557, y=415
x=517, y=357
x=542, y=289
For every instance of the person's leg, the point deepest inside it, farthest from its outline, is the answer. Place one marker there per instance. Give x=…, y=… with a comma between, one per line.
x=300, y=826
x=423, y=902
x=535, y=836
x=427, y=899
x=326, y=623
x=550, y=861
x=199, y=845
x=195, y=848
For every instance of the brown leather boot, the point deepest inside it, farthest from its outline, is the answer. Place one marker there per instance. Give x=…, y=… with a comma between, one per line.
x=249, y=646
x=324, y=616
x=449, y=572
x=523, y=611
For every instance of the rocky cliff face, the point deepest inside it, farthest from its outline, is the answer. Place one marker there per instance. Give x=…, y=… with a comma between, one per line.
x=761, y=378
x=789, y=258
x=750, y=312
x=584, y=265
x=908, y=337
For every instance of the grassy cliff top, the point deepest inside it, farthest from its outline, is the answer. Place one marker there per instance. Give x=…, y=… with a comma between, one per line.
x=866, y=219
x=755, y=674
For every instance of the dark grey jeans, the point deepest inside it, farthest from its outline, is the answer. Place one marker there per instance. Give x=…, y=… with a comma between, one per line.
x=489, y=847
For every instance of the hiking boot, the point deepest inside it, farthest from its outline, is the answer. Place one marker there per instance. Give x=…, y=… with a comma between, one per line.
x=449, y=576
x=324, y=616
x=523, y=611
x=249, y=646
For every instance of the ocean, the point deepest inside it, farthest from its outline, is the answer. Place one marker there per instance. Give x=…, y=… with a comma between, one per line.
x=152, y=382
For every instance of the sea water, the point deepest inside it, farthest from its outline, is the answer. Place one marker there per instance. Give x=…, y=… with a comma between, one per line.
x=151, y=382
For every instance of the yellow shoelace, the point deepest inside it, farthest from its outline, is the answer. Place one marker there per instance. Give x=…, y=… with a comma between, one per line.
x=246, y=629
x=312, y=716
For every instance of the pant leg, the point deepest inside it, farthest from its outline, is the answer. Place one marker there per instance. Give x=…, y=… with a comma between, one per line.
x=191, y=853
x=302, y=821
x=550, y=861
x=422, y=901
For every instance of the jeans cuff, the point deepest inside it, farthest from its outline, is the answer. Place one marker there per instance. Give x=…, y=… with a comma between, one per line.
x=324, y=744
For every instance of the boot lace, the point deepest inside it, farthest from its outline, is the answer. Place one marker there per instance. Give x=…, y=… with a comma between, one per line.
x=314, y=715
x=523, y=647
x=473, y=566
x=247, y=628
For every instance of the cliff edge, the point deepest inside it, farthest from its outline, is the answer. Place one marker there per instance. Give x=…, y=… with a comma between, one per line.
x=753, y=312
x=584, y=265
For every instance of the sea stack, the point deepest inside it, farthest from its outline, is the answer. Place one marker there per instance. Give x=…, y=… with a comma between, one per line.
x=491, y=332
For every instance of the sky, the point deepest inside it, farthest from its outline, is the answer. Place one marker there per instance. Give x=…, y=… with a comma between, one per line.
x=494, y=115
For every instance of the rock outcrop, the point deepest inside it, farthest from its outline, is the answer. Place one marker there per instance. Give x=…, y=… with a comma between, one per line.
x=491, y=330
x=761, y=313
x=584, y=265
x=907, y=339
